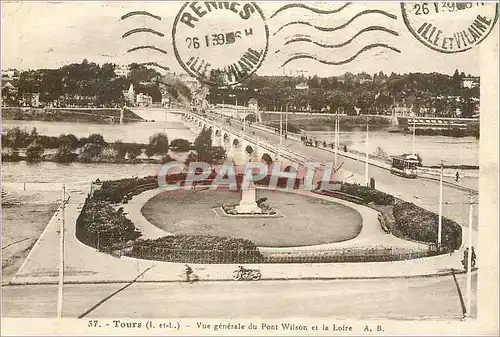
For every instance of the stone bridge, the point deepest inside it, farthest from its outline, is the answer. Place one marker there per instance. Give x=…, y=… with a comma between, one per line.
x=242, y=147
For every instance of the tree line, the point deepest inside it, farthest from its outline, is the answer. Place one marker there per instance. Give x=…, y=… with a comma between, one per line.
x=88, y=80
x=94, y=148
x=355, y=93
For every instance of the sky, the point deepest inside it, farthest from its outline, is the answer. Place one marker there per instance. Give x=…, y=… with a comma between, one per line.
x=51, y=34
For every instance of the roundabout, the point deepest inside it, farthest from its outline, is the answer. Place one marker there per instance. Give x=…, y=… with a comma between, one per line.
x=306, y=220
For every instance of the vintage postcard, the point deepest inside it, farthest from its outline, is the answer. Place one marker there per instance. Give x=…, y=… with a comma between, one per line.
x=249, y=168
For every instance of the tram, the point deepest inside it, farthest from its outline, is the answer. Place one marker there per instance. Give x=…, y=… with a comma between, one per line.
x=405, y=165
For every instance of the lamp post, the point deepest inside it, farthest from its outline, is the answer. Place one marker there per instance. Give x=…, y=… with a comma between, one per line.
x=61, y=257
x=469, y=261
x=281, y=125
x=336, y=141
x=413, y=139
x=286, y=120
x=440, y=221
x=366, y=158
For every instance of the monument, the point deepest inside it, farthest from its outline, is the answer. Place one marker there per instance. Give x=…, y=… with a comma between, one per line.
x=248, y=205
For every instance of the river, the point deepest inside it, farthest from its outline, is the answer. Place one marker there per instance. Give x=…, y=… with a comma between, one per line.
x=432, y=149
x=131, y=132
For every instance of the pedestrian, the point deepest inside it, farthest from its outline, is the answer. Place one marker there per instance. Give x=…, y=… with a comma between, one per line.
x=457, y=176
x=473, y=258
x=466, y=258
x=188, y=270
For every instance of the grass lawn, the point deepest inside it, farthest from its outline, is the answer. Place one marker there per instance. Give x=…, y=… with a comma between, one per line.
x=307, y=221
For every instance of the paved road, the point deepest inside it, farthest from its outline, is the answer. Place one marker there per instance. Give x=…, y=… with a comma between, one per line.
x=422, y=192
x=385, y=298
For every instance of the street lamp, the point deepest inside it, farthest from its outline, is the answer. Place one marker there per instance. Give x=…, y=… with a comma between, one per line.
x=440, y=221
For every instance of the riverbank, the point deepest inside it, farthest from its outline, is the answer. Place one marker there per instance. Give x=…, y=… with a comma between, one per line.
x=327, y=123
x=77, y=115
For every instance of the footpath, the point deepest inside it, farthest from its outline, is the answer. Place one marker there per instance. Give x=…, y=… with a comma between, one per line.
x=84, y=264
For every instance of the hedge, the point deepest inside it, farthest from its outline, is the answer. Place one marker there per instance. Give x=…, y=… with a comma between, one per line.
x=115, y=191
x=422, y=225
x=100, y=226
x=367, y=194
x=197, y=249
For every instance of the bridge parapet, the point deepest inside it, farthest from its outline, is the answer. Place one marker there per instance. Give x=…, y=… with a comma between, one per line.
x=263, y=145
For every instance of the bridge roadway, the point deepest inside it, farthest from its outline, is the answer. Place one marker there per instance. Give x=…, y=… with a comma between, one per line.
x=422, y=192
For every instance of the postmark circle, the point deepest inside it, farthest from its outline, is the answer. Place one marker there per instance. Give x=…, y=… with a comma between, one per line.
x=220, y=43
x=450, y=27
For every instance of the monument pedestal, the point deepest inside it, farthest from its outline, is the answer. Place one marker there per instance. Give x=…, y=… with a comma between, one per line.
x=247, y=203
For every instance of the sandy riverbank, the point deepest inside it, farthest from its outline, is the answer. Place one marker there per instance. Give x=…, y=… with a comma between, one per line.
x=23, y=220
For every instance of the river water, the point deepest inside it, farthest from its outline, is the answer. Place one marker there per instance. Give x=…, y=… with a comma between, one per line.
x=47, y=176
x=432, y=149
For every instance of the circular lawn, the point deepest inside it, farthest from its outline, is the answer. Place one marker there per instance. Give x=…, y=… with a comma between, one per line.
x=307, y=220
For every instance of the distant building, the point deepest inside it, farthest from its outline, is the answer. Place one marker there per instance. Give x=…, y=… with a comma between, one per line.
x=30, y=100
x=129, y=95
x=470, y=82
x=10, y=74
x=192, y=83
x=143, y=100
x=302, y=86
x=122, y=70
x=9, y=94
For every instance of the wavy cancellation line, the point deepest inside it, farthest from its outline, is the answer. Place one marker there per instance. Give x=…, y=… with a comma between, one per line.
x=332, y=29
x=367, y=29
x=147, y=47
x=142, y=30
x=312, y=9
x=366, y=48
x=140, y=13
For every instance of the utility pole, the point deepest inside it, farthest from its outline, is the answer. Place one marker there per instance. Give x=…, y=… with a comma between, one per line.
x=336, y=136
x=469, y=260
x=281, y=125
x=440, y=223
x=61, y=256
x=236, y=97
x=413, y=139
x=286, y=120
x=366, y=158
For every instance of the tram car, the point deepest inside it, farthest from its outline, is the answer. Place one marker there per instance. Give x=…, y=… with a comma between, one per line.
x=405, y=165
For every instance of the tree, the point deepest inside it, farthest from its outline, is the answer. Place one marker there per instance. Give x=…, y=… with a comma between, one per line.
x=203, y=145
x=120, y=149
x=34, y=152
x=180, y=145
x=218, y=154
x=205, y=152
x=158, y=144
x=94, y=146
x=149, y=151
x=70, y=141
x=133, y=152
x=67, y=143
x=16, y=138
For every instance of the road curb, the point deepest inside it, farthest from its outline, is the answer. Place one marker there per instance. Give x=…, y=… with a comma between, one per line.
x=445, y=273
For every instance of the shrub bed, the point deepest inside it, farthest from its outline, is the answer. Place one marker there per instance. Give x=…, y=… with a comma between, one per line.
x=361, y=194
x=100, y=226
x=422, y=225
x=116, y=191
x=197, y=249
